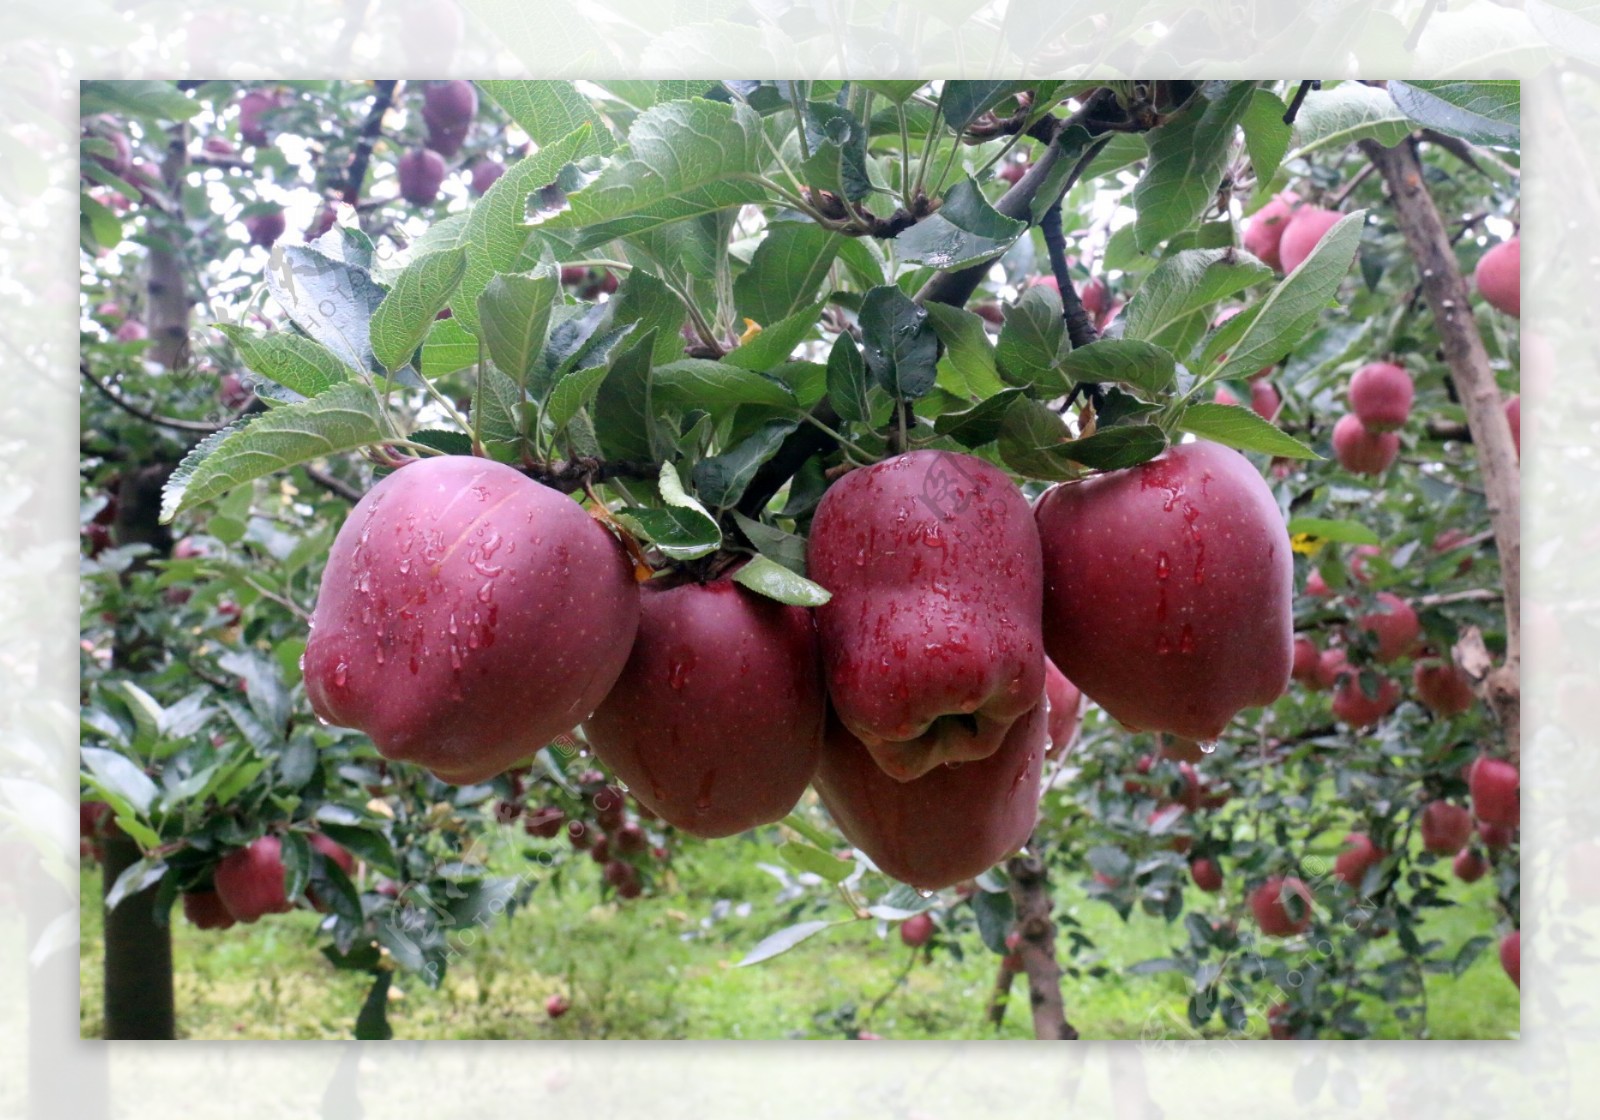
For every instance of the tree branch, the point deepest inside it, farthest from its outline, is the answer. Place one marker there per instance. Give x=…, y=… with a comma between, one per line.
x=140, y=414
x=1448, y=298
x=1030, y=894
x=332, y=485
x=1080, y=330
x=370, y=130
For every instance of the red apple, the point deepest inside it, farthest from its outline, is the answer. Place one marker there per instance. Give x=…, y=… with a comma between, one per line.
x=421, y=171
x=930, y=643
x=467, y=617
x=1496, y=837
x=1330, y=665
x=600, y=848
x=1359, y=854
x=953, y=823
x=266, y=228
x=557, y=1006
x=916, y=930
x=1514, y=419
x=1206, y=874
x=1394, y=625
x=1224, y=395
x=1470, y=866
x=1263, y=235
x=1380, y=396
x=630, y=840
x=447, y=110
x=581, y=836
x=624, y=878
x=1353, y=706
x=1316, y=586
x=1282, y=906
x=1096, y=299
x=1360, y=451
x=1499, y=277
x=1066, y=709
x=131, y=331
x=716, y=721
x=1445, y=828
x=1511, y=956
x=1012, y=171
x=484, y=174
x=253, y=107
x=1280, y=1023
x=1169, y=590
x=250, y=880
x=233, y=392
x=1264, y=399
x=1307, y=660
x=1495, y=796
x=1442, y=687
x=1301, y=235
x=1164, y=819
x=545, y=822
x=205, y=910
x=327, y=217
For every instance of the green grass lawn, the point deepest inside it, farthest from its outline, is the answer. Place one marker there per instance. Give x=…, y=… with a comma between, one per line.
x=653, y=968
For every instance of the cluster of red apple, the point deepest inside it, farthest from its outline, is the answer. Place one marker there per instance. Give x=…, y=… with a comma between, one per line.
x=448, y=110
x=250, y=882
x=598, y=823
x=468, y=616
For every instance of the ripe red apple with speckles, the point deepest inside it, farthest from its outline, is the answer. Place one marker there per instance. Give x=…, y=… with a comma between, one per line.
x=953, y=823
x=930, y=643
x=716, y=721
x=1169, y=590
x=467, y=617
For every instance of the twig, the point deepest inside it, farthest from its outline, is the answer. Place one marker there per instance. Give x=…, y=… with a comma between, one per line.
x=575, y=474
x=1300, y=99
x=899, y=982
x=140, y=414
x=1336, y=200
x=333, y=485
x=1079, y=329
x=370, y=129
x=1001, y=995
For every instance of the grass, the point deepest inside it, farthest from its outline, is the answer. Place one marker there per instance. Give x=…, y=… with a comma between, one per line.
x=660, y=968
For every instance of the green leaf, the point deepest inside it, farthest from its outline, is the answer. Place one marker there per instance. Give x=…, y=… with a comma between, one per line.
x=783, y=941
x=838, y=145
x=963, y=102
x=496, y=234
x=372, y=1021
x=644, y=299
x=1031, y=338
x=1029, y=427
x=902, y=350
x=1266, y=137
x=717, y=386
x=104, y=228
x=683, y=530
x=288, y=359
x=1338, y=117
x=964, y=230
x=1275, y=326
x=721, y=479
x=1142, y=365
x=684, y=158
x=420, y=292
x=1236, y=426
x=1186, y=282
x=135, y=878
x=154, y=101
x=773, y=345
x=776, y=545
x=121, y=776
x=895, y=91
x=1113, y=449
x=786, y=271
x=769, y=578
x=295, y=851
x=1480, y=112
x=805, y=858
x=549, y=111
x=624, y=411
x=980, y=424
x=497, y=406
x=1188, y=155
x=573, y=393
x=996, y=914
x=448, y=348
x=330, y=300
x=514, y=313
x=847, y=381
x=1340, y=532
x=967, y=368
x=344, y=418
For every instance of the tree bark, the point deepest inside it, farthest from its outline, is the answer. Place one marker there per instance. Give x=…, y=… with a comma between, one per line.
x=138, y=1001
x=1001, y=995
x=167, y=287
x=1030, y=894
x=1448, y=297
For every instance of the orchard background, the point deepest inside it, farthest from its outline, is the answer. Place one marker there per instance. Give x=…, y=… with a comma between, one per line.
x=257, y=259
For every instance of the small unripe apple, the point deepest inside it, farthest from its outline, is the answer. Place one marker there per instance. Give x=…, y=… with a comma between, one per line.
x=484, y=174
x=1265, y=401
x=1395, y=626
x=1469, y=865
x=1511, y=956
x=916, y=930
x=1282, y=906
x=1514, y=420
x=1360, y=451
x=264, y=229
x=1359, y=854
x=1499, y=277
x=1381, y=395
x=1206, y=874
x=1443, y=688
x=250, y=880
x=1495, y=795
x=1301, y=235
x=1169, y=589
x=1445, y=828
x=421, y=171
x=557, y=1006
x=1353, y=706
x=1263, y=235
x=205, y=910
x=545, y=822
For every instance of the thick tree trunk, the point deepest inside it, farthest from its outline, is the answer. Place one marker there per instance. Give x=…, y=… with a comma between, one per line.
x=1030, y=894
x=168, y=291
x=1448, y=297
x=138, y=1001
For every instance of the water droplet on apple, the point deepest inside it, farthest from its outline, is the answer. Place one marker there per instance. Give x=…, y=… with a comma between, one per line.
x=1208, y=746
x=924, y=894
x=341, y=672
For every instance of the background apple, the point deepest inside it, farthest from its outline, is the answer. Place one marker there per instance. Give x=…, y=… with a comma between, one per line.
x=1302, y=233
x=1469, y=865
x=421, y=171
x=930, y=643
x=1380, y=396
x=1442, y=687
x=250, y=880
x=1359, y=854
x=468, y=616
x=1495, y=797
x=1361, y=451
x=1282, y=906
x=916, y=930
x=1207, y=875
x=1445, y=828
x=1394, y=625
x=716, y=721
x=1353, y=706
x=1169, y=589
x=1066, y=709
x=484, y=174
x=1499, y=277
x=205, y=910
x=1511, y=956
x=1263, y=236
